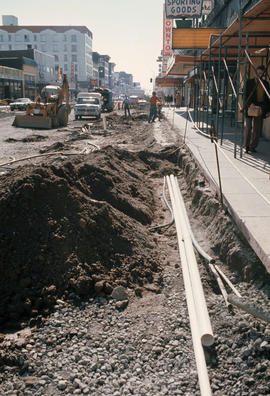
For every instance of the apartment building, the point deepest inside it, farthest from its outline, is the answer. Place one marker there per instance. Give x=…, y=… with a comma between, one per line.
x=71, y=46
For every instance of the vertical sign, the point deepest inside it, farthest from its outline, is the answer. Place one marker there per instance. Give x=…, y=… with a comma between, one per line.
x=72, y=72
x=167, y=35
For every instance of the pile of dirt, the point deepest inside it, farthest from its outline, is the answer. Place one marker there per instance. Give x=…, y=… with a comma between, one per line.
x=80, y=227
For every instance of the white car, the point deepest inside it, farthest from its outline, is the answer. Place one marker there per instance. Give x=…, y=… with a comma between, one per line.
x=20, y=104
x=88, y=107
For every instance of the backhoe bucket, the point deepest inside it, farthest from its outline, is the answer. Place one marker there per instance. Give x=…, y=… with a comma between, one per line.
x=28, y=121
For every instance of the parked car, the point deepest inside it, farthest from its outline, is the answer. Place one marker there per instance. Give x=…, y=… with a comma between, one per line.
x=20, y=104
x=88, y=107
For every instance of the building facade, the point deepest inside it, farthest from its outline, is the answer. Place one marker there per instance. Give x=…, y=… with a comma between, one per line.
x=71, y=46
x=45, y=64
x=11, y=83
x=29, y=72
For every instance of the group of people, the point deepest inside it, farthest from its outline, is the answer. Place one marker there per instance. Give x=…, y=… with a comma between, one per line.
x=155, y=107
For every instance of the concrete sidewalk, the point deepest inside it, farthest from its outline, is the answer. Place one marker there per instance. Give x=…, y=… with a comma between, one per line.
x=245, y=181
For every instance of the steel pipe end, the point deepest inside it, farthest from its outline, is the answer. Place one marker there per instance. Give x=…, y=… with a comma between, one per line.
x=207, y=340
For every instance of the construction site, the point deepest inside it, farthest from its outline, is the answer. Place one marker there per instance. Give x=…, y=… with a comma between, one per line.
x=89, y=253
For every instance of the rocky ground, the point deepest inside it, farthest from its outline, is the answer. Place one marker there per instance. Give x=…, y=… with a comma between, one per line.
x=93, y=301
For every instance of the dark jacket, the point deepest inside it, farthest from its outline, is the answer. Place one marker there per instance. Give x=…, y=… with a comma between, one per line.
x=251, y=96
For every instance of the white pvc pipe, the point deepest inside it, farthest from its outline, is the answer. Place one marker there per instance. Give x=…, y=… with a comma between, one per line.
x=198, y=294
x=196, y=336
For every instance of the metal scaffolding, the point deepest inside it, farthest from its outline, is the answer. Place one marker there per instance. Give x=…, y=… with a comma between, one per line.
x=222, y=70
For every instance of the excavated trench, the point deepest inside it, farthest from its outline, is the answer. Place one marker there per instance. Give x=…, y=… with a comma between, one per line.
x=75, y=229
x=84, y=228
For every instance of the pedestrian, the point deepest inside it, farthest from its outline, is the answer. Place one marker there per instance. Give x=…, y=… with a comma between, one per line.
x=178, y=99
x=256, y=107
x=126, y=106
x=159, y=108
x=153, y=107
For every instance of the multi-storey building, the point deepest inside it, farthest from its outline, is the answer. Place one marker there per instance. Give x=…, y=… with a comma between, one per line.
x=102, y=70
x=45, y=64
x=71, y=46
x=29, y=69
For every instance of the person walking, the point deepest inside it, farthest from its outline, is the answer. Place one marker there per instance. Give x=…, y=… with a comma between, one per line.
x=154, y=100
x=256, y=107
x=126, y=106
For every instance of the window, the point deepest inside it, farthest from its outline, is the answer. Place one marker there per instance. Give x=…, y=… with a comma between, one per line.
x=43, y=48
x=35, y=46
x=74, y=48
x=73, y=38
x=43, y=37
x=29, y=46
x=74, y=58
x=65, y=67
x=9, y=37
x=56, y=58
x=35, y=37
x=65, y=48
x=65, y=58
x=1, y=37
x=10, y=47
x=65, y=38
x=76, y=67
x=56, y=67
x=26, y=37
x=55, y=47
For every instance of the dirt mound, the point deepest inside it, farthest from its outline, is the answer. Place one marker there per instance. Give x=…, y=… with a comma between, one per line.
x=77, y=227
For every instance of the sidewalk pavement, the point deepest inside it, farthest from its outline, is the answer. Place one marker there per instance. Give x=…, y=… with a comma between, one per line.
x=245, y=181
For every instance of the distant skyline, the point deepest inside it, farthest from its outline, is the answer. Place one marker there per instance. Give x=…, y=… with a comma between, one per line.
x=129, y=31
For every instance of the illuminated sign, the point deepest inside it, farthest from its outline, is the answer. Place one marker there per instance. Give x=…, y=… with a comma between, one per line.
x=183, y=8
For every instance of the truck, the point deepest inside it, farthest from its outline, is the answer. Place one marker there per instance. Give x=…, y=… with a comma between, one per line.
x=89, y=104
x=49, y=110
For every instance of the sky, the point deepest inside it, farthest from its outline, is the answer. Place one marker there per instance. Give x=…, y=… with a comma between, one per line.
x=129, y=31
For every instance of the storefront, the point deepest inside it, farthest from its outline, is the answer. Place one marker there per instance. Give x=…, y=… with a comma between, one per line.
x=11, y=83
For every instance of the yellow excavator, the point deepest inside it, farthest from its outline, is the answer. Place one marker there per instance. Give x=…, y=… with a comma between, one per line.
x=49, y=110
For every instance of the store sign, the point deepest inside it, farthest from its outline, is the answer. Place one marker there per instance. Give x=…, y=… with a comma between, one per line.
x=167, y=35
x=183, y=8
x=207, y=7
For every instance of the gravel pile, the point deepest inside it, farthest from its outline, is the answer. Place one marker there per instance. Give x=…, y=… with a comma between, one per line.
x=96, y=348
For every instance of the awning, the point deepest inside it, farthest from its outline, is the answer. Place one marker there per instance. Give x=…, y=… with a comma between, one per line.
x=169, y=81
x=193, y=38
x=180, y=65
x=255, y=28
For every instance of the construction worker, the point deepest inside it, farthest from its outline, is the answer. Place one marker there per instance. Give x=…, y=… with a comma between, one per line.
x=154, y=100
x=126, y=106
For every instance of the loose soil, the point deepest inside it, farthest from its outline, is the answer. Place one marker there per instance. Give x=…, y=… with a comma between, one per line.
x=78, y=223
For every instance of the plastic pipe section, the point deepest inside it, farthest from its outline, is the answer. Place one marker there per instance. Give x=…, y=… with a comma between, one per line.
x=197, y=290
x=195, y=331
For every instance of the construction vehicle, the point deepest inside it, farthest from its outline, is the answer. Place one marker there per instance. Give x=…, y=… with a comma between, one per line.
x=49, y=110
x=107, y=105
